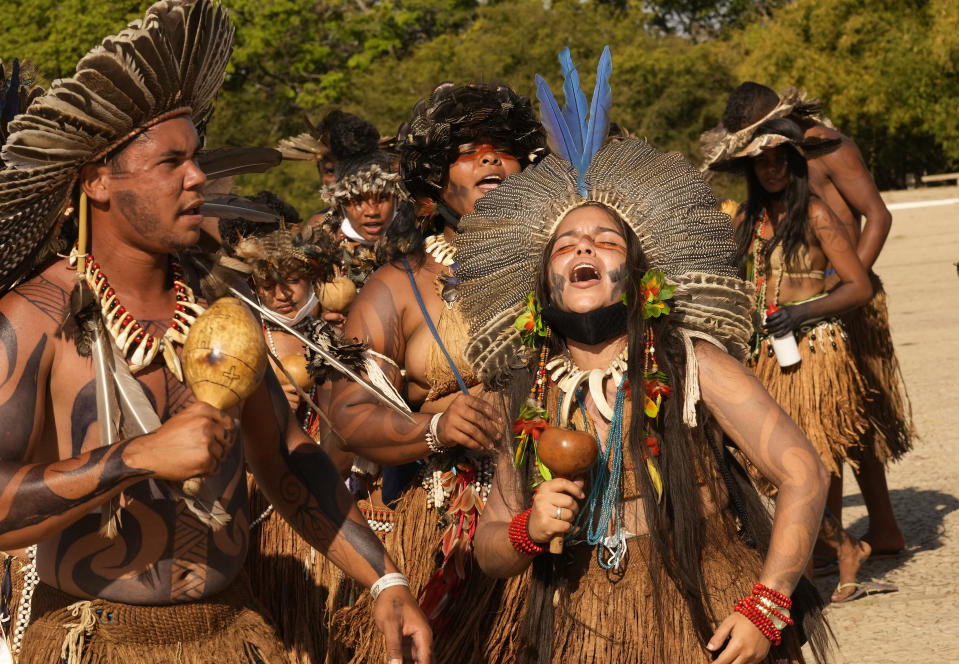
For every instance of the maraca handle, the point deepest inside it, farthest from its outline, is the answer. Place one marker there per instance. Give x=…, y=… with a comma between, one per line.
x=556, y=544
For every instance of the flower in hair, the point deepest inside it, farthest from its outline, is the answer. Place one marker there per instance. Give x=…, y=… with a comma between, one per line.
x=654, y=292
x=530, y=322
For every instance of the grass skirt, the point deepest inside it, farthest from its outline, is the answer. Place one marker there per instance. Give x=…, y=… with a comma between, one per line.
x=227, y=627
x=824, y=394
x=294, y=583
x=608, y=616
x=480, y=621
x=888, y=408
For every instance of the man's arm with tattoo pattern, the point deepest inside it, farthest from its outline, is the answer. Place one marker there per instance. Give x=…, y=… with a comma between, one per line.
x=303, y=484
x=38, y=500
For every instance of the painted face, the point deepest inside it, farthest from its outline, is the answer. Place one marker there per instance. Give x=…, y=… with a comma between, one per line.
x=285, y=297
x=772, y=169
x=370, y=215
x=157, y=187
x=587, y=265
x=480, y=167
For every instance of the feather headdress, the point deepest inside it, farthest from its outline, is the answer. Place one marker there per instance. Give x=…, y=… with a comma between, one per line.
x=170, y=63
x=456, y=114
x=749, y=106
x=661, y=197
x=362, y=166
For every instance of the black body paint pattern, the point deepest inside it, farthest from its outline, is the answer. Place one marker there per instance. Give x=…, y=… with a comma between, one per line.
x=45, y=296
x=18, y=411
x=8, y=336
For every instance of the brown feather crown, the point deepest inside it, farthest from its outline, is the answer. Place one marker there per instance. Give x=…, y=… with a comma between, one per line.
x=169, y=63
x=453, y=115
x=749, y=106
x=362, y=165
x=662, y=198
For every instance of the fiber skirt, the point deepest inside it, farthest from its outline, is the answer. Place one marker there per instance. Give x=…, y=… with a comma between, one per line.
x=825, y=394
x=610, y=616
x=63, y=628
x=888, y=408
x=475, y=621
x=293, y=582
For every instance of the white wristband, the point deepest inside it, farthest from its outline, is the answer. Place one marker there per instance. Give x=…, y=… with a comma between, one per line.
x=387, y=581
x=432, y=438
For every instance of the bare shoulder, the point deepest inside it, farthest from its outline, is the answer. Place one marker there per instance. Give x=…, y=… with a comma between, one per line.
x=376, y=316
x=43, y=301
x=822, y=131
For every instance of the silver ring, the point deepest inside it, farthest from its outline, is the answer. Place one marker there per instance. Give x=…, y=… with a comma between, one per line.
x=559, y=513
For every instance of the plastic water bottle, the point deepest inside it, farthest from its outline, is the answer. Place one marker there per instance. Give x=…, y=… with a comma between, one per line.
x=785, y=347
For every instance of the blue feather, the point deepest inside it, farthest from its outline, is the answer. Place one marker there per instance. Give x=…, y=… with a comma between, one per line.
x=575, y=109
x=599, y=107
x=561, y=140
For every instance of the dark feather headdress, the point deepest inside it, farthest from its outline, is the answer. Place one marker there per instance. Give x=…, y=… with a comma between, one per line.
x=749, y=106
x=453, y=115
x=660, y=196
x=362, y=165
x=170, y=63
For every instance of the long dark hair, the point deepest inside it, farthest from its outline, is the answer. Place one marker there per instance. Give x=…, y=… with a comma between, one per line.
x=677, y=538
x=792, y=231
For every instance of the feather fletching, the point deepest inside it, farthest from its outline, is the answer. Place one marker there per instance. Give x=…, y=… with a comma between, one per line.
x=574, y=107
x=599, y=107
x=571, y=136
x=560, y=138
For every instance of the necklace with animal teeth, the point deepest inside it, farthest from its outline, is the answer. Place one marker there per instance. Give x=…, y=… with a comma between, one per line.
x=568, y=377
x=137, y=346
x=441, y=250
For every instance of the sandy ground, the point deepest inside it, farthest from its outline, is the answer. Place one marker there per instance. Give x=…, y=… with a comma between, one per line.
x=920, y=622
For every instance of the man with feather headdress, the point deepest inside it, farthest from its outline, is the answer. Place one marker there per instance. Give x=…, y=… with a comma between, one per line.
x=99, y=430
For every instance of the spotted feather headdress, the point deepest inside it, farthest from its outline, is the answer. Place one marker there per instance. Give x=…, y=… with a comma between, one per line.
x=169, y=63
x=661, y=197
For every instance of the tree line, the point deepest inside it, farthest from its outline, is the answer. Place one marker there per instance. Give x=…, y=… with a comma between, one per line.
x=886, y=70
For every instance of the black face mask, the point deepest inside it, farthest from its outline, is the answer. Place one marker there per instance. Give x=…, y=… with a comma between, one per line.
x=590, y=328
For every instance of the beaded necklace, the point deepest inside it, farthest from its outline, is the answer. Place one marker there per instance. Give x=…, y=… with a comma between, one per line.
x=758, y=276
x=138, y=347
x=605, y=484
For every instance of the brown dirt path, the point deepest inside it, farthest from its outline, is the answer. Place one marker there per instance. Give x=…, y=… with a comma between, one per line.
x=920, y=623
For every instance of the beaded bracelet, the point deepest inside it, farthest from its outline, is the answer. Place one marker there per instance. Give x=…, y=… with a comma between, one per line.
x=387, y=581
x=432, y=438
x=768, y=610
x=779, y=598
x=748, y=608
x=519, y=535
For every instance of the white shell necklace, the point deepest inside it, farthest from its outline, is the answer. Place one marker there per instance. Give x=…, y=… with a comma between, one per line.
x=568, y=377
x=441, y=250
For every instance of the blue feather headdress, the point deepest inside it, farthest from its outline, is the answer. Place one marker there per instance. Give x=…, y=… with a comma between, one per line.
x=577, y=132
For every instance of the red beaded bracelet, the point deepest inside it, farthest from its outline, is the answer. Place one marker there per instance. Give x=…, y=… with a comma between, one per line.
x=519, y=535
x=774, y=595
x=748, y=608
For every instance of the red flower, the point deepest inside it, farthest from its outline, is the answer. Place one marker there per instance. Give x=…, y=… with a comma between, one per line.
x=533, y=427
x=653, y=444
